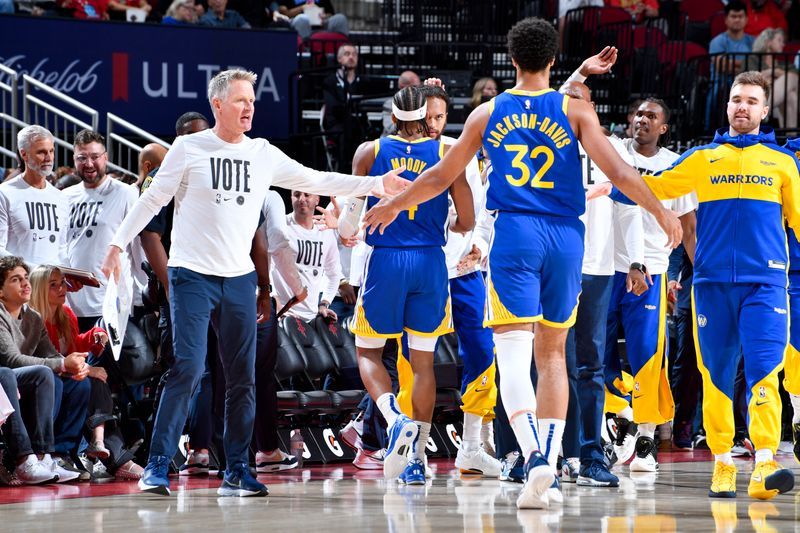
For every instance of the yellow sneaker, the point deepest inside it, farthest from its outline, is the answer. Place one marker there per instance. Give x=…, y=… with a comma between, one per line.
x=769, y=479
x=723, y=482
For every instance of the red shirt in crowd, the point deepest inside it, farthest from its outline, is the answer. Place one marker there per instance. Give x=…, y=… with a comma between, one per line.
x=81, y=342
x=767, y=16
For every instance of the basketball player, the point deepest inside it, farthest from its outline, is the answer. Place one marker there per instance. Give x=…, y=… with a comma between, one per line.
x=792, y=364
x=530, y=134
x=406, y=284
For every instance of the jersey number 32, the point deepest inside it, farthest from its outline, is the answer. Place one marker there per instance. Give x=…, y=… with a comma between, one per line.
x=519, y=163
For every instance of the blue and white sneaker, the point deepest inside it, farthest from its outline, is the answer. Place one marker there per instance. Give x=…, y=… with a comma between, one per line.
x=154, y=479
x=513, y=468
x=596, y=474
x=240, y=482
x=554, y=494
x=414, y=473
x=570, y=469
x=538, y=478
x=401, y=436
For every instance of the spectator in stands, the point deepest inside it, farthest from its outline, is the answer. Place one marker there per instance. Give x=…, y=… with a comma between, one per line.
x=181, y=13
x=568, y=5
x=408, y=78
x=48, y=297
x=638, y=9
x=763, y=14
x=484, y=90
x=305, y=14
x=780, y=72
x=340, y=117
x=33, y=213
x=87, y=9
x=317, y=258
x=117, y=9
x=24, y=343
x=219, y=17
x=732, y=40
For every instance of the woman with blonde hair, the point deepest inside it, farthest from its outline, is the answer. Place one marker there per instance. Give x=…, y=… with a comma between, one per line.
x=484, y=88
x=48, y=297
x=781, y=73
x=181, y=13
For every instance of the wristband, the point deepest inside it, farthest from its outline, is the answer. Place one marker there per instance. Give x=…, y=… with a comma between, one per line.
x=640, y=267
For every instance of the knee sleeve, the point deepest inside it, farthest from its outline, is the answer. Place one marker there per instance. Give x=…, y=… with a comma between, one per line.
x=422, y=344
x=369, y=343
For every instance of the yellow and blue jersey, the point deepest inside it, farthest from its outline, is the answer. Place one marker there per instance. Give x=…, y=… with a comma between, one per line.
x=534, y=153
x=746, y=187
x=793, y=145
x=424, y=224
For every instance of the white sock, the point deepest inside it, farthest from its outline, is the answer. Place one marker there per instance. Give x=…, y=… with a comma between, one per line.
x=487, y=432
x=418, y=448
x=724, y=458
x=471, y=439
x=764, y=455
x=387, y=403
x=795, y=398
x=550, y=432
x=647, y=430
x=626, y=413
x=514, y=353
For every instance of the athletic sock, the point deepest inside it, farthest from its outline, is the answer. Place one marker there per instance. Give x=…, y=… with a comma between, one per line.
x=550, y=432
x=626, y=413
x=724, y=458
x=471, y=438
x=418, y=448
x=647, y=430
x=764, y=455
x=514, y=353
x=795, y=398
x=387, y=403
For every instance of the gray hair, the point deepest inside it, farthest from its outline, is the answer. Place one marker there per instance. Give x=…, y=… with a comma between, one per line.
x=218, y=86
x=763, y=39
x=29, y=134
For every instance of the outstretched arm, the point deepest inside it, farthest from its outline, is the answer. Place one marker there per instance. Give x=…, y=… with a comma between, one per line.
x=437, y=178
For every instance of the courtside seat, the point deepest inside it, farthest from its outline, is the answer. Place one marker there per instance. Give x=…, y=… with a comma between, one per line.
x=289, y=363
x=342, y=348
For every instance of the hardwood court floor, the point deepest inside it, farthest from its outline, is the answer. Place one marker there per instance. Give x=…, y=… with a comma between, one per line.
x=340, y=498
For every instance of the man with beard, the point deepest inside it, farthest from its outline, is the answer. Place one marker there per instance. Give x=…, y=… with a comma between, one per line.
x=748, y=189
x=97, y=206
x=33, y=213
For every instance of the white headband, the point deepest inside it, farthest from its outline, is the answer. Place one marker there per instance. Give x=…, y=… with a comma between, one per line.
x=410, y=116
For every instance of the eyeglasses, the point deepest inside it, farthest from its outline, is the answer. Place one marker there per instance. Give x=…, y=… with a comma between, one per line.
x=82, y=159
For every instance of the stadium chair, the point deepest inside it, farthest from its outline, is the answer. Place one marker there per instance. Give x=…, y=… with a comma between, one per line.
x=323, y=47
x=792, y=48
x=717, y=24
x=699, y=11
x=646, y=37
x=289, y=364
x=341, y=345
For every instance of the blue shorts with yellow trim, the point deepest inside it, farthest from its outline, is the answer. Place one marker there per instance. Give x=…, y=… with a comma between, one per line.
x=534, y=270
x=405, y=290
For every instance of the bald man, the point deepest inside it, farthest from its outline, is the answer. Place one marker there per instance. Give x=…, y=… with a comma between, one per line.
x=149, y=158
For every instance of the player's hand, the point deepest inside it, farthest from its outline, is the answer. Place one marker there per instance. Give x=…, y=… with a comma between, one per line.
x=597, y=190
x=111, y=265
x=328, y=218
x=263, y=307
x=433, y=82
x=393, y=184
x=349, y=242
x=381, y=215
x=600, y=63
x=637, y=282
x=469, y=260
x=327, y=313
x=669, y=222
x=673, y=287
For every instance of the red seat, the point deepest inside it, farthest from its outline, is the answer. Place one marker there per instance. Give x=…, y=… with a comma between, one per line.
x=324, y=43
x=701, y=10
x=610, y=15
x=718, y=24
x=644, y=37
x=792, y=48
x=673, y=52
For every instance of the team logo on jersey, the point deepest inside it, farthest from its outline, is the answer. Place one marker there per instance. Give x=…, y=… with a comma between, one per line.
x=636, y=387
x=527, y=104
x=408, y=149
x=218, y=199
x=483, y=381
x=702, y=321
x=762, y=392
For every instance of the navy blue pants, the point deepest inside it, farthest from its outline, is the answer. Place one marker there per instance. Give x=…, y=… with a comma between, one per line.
x=70, y=409
x=230, y=305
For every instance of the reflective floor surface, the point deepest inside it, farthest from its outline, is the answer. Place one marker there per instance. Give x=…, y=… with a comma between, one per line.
x=342, y=498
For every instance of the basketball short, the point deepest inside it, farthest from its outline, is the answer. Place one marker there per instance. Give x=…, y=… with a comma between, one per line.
x=534, y=270
x=405, y=289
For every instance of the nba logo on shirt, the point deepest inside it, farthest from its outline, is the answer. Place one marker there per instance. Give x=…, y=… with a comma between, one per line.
x=762, y=392
x=527, y=104
x=408, y=149
x=702, y=321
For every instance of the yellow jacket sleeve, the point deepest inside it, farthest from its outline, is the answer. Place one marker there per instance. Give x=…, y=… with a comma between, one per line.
x=790, y=196
x=677, y=180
